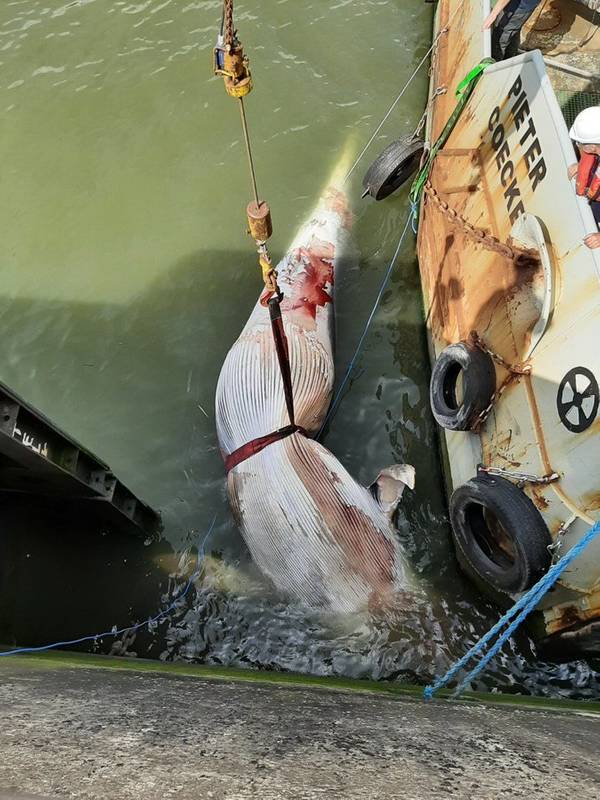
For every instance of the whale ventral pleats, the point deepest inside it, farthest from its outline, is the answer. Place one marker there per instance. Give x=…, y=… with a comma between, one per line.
x=317, y=534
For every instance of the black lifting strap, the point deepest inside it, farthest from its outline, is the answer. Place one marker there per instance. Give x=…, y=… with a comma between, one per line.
x=283, y=355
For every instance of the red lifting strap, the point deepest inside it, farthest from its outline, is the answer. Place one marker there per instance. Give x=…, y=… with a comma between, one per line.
x=283, y=357
x=256, y=445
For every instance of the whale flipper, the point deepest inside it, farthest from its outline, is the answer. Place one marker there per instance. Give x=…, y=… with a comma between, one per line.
x=388, y=486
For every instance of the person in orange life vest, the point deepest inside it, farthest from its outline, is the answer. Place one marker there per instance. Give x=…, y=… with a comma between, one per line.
x=585, y=132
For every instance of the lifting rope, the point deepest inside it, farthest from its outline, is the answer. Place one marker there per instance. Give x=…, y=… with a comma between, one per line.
x=230, y=62
x=387, y=115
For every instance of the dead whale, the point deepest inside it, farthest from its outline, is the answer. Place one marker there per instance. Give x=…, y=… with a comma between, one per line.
x=322, y=538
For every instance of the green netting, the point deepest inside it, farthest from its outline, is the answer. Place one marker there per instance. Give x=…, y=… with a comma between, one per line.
x=571, y=103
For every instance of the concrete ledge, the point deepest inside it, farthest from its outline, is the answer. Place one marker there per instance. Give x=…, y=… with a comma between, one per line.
x=57, y=659
x=125, y=729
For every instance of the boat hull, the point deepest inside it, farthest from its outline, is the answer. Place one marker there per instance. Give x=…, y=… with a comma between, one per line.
x=506, y=158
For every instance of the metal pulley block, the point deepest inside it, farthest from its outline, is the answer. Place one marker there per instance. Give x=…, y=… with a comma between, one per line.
x=230, y=62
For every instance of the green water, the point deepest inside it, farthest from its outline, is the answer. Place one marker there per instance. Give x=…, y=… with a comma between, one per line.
x=126, y=269
x=127, y=274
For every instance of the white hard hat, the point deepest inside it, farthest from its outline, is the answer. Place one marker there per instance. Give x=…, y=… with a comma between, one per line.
x=586, y=128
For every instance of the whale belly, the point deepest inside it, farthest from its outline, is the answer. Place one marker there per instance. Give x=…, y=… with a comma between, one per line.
x=318, y=535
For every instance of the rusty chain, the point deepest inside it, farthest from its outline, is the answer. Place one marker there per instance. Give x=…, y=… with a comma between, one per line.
x=420, y=125
x=423, y=121
x=521, y=478
x=514, y=371
x=479, y=235
x=228, y=32
x=483, y=415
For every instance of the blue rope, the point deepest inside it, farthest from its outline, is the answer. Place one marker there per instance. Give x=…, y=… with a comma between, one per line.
x=384, y=282
x=136, y=627
x=519, y=612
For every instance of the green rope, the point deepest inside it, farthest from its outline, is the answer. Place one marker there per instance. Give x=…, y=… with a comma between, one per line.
x=464, y=90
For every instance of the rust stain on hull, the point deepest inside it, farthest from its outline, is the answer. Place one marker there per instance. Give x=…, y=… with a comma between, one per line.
x=567, y=616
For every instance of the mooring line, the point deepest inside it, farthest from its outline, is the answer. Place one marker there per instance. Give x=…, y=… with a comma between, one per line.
x=335, y=402
x=444, y=30
x=337, y=397
x=517, y=613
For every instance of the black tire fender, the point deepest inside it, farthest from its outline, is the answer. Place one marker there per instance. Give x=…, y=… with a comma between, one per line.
x=500, y=534
x=462, y=411
x=393, y=167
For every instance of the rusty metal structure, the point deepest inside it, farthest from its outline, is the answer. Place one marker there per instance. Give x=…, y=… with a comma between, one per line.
x=41, y=462
x=501, y=175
